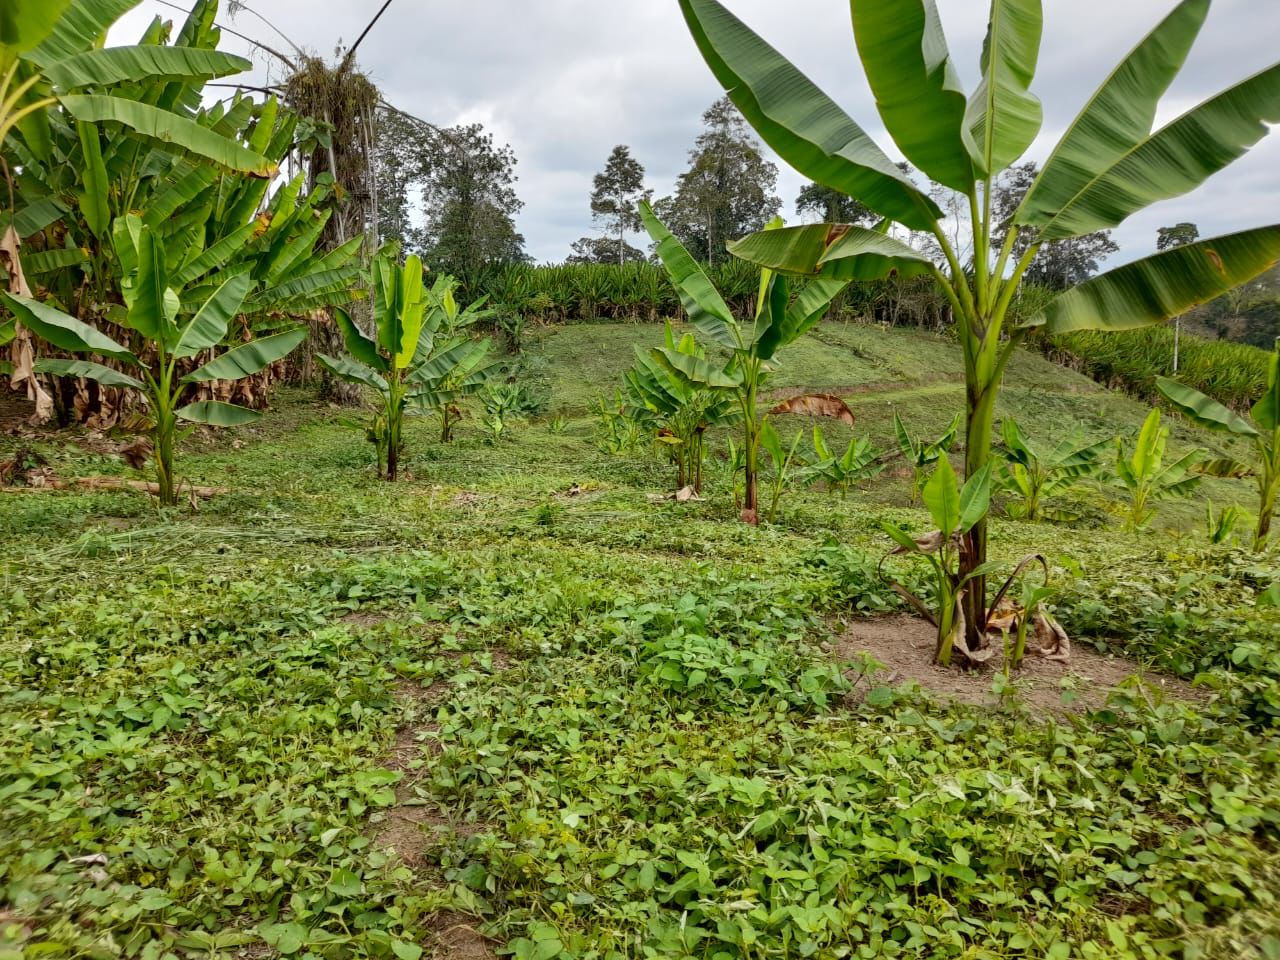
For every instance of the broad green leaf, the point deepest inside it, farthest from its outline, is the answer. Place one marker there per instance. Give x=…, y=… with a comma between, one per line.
x=149, y=63
x=800, y=122
x=48, y=261
x=148, y=296
x=61, y=330
x=1225, y=467
x=386, y=303
x=170, y=128
x=209, y=325
x=975, y=497
x=1175, y=159
x=24, y=24
x=248, y=358
x=82, y=25
x=1117, y=117
x=695, y=370
x=1162, y=286
x=799, y=317
x=707, y=311
x=34, y=217
x=413, y=309
x=1148, y=452
x=352, y=372
x=107, y=376
x=1203, y=410
x=900, y=537
x=217, y=255
x=217, y=414
x=93, y=201
x=941, y=494
x=191, y=181
x=1003, y=115
x=1266, y=412
x=831, y=251
x=358, y=345
x=917, y=88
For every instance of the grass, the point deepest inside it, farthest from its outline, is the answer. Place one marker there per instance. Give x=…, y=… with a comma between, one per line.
x=615, y=715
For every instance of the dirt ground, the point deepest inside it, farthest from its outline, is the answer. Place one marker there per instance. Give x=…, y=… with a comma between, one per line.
x=905, y=645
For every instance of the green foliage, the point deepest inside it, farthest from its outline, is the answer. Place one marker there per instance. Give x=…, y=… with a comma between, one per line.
x=419, y=357
x=860, y=461
x=955, y=510
x=779, y=320
x=1134, y=360
x=922, y=454
x=782, y=458
x=1264, y=431
x=162, y=338
x=501, y=660
x=1146, y=477
x=674, y=410
x=1031, y=474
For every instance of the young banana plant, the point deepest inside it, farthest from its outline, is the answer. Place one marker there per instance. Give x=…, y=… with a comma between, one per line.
x=405, y=363
x=923, y=454
x=160, y=344
x=955, y=509
x=779, y=320
x=1147, y=478
x=1031, y=473
x=783, y=458
x=678, y=411
x=1263, y=429
x=860, y=461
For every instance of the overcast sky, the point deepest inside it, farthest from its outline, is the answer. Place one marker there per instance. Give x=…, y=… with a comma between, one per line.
x=563, y=81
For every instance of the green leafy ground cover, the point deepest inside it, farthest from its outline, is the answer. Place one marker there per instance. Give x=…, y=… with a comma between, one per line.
x=615, y=716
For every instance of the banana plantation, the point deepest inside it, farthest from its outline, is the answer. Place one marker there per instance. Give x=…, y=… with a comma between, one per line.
x=888, y=580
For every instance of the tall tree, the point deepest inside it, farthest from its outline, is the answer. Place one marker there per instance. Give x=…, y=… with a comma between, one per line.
x=615, y=198
x=1167, y=238
x=831, y=206
x=470, y=204
x=602, y=250
x=1058, y=264
x=1176, y=236
x=728, y=190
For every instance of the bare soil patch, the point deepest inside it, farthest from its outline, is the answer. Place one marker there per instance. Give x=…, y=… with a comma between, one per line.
x=905, y=645
x=454, y=935
x=364, y=619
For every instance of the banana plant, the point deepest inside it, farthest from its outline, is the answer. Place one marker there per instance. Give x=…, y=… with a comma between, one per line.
x=473, y=367
x=160, y=344
x=1263, y=429
x=405, y=364
x=127, y=131
x=860, y=461
x=1031, y=473
x=1146, y=477
x=954, y=509
x=677, y=411
x=779, y=320
x=783, y=458
x=922, y=454
x=1109, y=165
x=1220, y=525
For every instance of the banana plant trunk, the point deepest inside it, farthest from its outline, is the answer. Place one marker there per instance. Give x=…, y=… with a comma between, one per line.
x=165, y=437
x=973, y=554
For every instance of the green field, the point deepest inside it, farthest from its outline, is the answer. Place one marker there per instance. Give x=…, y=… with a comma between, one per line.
x=516, y=704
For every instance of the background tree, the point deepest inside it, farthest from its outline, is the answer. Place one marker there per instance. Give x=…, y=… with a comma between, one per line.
x=603, y=250
x=616, y=193
x=1177, y=235
x=831, y=206
x=1058, y=264
x=1167, y=238
x=470, y=205
x=728, y=190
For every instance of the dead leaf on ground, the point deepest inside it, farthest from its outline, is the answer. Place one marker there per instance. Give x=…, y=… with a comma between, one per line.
x=817, y=405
